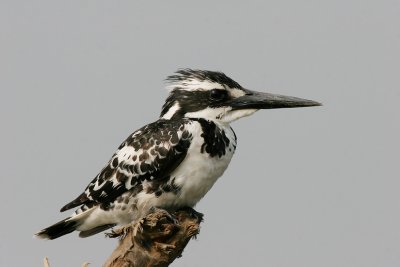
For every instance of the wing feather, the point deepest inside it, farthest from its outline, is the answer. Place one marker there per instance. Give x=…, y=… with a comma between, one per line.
x=151, y=153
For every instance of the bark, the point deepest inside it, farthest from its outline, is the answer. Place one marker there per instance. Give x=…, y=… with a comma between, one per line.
x=156, y=240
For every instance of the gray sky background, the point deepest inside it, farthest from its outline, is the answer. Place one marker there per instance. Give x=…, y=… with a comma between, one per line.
x=307, y=187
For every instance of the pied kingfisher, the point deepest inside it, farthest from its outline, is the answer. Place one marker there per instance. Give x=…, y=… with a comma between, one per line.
x=173, y=162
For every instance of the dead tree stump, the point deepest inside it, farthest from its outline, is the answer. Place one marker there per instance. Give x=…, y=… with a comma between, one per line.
x=156, y=240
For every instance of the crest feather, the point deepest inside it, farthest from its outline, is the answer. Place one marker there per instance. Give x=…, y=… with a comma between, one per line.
x=189, y=78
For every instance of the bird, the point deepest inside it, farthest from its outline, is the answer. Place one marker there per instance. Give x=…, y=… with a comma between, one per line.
x=173, y=162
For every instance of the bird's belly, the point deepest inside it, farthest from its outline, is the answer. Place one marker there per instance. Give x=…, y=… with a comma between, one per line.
x=197, y=176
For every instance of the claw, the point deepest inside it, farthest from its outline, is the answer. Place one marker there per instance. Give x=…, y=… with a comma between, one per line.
x=194, y=214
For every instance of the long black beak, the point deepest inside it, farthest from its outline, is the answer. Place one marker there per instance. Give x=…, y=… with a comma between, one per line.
x=260, y=100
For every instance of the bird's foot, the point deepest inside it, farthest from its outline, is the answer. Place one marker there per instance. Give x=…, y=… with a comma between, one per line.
x=192, y=213
x=166, y=213
x=120, y=232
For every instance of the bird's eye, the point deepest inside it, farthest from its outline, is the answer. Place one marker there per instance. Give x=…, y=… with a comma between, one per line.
x=218, y=94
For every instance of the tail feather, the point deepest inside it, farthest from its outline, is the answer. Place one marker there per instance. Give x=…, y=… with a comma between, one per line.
x=61, y=228
x=80, y=200
x=71, y=224
x=95, y=230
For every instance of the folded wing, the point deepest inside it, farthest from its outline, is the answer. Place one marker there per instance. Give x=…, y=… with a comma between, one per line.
x=151, y=153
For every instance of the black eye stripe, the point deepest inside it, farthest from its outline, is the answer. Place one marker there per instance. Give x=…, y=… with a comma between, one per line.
x=192, y=101
x=218, y=94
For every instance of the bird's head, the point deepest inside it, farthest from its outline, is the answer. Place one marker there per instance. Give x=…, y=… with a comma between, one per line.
x=214, y=96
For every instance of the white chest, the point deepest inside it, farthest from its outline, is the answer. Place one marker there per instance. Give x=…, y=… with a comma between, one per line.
x=200, y=170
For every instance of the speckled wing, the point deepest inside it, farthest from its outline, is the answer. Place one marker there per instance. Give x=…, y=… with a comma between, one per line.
x=151, y=153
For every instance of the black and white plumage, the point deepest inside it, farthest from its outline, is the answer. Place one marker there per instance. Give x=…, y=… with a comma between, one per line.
x=173, y=162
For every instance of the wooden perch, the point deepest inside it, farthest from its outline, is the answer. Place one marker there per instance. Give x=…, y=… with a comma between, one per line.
x=156, y=240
